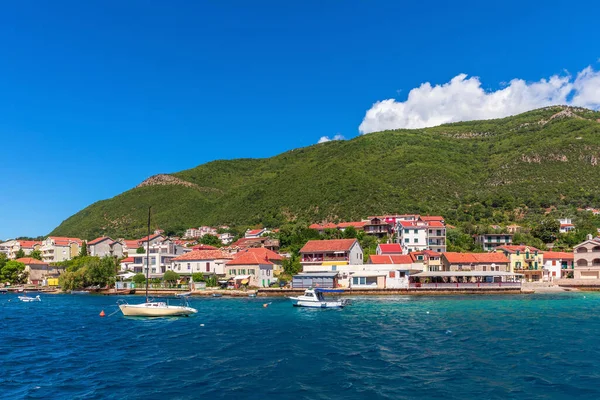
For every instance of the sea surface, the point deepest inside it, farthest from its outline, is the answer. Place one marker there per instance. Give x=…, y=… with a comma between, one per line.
x=544, y=346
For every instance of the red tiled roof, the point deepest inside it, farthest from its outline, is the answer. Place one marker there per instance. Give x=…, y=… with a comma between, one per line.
x=412, y=224
x=28, y=244
x=512, y=248
x=355, y=224
x=262, y=253
x=132, y=244
x=390, y=259
x=203, y=247
x=249, y=258
x=428, y=218
x=30, y=261
x=246, y=242
x=558, y=255
x=319, y=227
x=475, y=258
x=318, y=246
x=431, y=253
x=435, y=224
x=203, y=255
x=254, y=232
x=390, y=248
x=98, y=240
x=127, y=260
x=65, y=241
x=151, y=237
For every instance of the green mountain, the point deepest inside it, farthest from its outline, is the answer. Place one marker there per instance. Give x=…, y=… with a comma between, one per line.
x=537, y=159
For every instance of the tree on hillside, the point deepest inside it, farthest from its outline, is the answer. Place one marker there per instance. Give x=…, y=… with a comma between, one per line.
x=350, y=233
x=20, y=253
x=36, y=254
x=83, y=251
x=547, y=230
x=211, y=240
x=14, y=272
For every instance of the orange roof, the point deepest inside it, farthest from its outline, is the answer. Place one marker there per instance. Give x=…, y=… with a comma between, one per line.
x=512, y=248
x=65, y=241
x=203, y=255
x=355, y=224
x=151, y=237
x=427, y=218
x=390, y=248
x=254, y=232
x=246, y=242
x=132, y=244
x=262, y=253
x=30, y=261
x=390, y=259
x=98, y=240
x=318, y=246
x=28, y=244
x=203, y=247
x=127, y=260
x=475, y=258
x=558, y=255
x=435, y=224
x=319, y=227
x=249, y=258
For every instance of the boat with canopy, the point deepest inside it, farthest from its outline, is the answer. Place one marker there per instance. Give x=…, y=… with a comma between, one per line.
x=314, y=298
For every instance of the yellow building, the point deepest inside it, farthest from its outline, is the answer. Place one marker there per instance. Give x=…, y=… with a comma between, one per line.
x=526, y=260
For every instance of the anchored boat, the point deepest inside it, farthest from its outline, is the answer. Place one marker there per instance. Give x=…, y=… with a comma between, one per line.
x=314, y=298
x=155, y=308
x=28, y=299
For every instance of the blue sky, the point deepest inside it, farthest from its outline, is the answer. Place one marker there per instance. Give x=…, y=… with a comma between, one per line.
x=96, y=96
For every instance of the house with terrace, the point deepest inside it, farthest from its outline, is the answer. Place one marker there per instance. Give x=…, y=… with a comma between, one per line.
x=331, y=252
x=587, y=259
x=526, y=260
x=557, y=265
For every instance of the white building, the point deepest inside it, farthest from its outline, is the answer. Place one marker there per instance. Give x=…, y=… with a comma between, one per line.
x=412, y=236
x=566, y=225
x=162, y=253
x=55, y=248
x=204, y=261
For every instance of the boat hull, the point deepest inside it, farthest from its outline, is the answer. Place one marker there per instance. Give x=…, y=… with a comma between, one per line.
x=319, y=304
x=149, y=310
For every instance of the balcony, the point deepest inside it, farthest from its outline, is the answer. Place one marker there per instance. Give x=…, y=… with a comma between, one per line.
x=308, y=259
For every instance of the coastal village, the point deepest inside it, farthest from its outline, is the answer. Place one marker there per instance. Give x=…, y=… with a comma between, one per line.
x=410, y=255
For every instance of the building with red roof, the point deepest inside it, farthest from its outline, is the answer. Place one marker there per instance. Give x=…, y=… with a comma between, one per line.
x=331, y=252
x=58, y=248
x=38, y=271
x=251, y=267
x=558, y=264
x=204, y=261
x=105, y=247
x=475, y=262
x=255, y=233
x=388, y=248
x=401, y=259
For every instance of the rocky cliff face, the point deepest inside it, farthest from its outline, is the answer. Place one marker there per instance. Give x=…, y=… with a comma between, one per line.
x=164, y=179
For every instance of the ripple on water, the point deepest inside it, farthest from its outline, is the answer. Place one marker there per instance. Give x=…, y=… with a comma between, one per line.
x=492, y=347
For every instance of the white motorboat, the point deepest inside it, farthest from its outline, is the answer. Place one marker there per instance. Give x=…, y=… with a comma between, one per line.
x=155, y=309
x=314, y=298
x=28, y=299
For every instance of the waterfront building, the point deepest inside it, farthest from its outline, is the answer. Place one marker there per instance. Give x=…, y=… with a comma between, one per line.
x=11, y=247
x=491, y=241
x=412, y=236
x=429, y=260
x=587, y=259
x=249, y=268
x=323, y=280
x=56, y=248
x=482, y=262
x=209, y=262
x=38, y=272
x=162, y=252
x=526, y=260
x=331, y=252
x=557, y=265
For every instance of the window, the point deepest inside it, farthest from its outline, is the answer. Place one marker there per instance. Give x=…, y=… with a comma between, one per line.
x=251, y=272
x=518, y=264
x=419, y=257
x=232, y=272
x=392, y=274
x=407, y=231
x=518, y=252
x=268, y=272
x=207, y=267
x=189, y=266
x=407, y=240
x=359, y=280
x=242, y=272
x=402, y=274
x=416, y=240
x=553, y=262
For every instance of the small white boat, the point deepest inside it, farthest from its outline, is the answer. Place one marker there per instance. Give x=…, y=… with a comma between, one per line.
x=80, y=292
x=155, y=309
x=28, y=299
x=314, y=298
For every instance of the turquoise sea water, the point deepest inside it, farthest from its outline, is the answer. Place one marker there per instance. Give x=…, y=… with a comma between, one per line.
x=488, y=347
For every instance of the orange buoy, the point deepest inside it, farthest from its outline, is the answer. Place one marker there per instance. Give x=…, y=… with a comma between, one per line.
x=102, y=313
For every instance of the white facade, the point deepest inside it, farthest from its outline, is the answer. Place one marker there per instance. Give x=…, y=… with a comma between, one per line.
x=412, y=238
x=188, y=267
x=225, y=238
x=161, y=257
x=394, y=276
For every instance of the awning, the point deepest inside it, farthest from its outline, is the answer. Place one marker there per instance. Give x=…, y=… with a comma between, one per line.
x=464, y=273
x=238, y=277
x=244, y=281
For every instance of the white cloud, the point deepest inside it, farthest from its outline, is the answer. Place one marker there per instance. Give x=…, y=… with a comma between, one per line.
x=328, y=139
x=464, y=99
